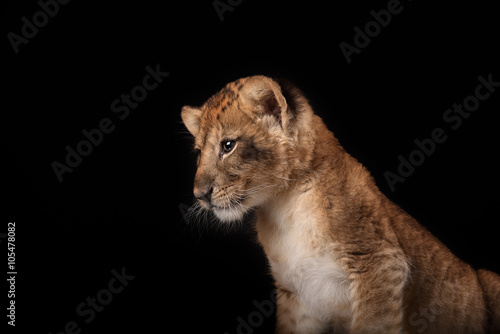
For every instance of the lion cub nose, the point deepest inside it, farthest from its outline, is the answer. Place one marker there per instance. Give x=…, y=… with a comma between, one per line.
x=203, y=194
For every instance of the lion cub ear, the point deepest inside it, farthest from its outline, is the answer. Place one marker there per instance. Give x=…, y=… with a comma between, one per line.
x=263, y=96
x=191, y=116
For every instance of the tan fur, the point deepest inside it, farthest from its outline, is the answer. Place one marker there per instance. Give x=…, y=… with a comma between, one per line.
x=344, y=257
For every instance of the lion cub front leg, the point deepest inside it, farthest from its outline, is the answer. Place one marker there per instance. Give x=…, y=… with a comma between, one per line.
x=377, y=293
x=293, y=317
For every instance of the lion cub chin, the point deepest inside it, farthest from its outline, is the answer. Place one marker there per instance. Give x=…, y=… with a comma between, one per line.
x=343, y=256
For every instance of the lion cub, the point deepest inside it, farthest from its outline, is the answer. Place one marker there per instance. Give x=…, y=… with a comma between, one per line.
x=345, y=259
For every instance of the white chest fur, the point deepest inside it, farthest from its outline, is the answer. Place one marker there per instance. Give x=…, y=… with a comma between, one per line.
x=301, y=261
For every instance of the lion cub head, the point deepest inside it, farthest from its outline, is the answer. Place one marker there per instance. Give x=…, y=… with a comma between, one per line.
x=248, y=137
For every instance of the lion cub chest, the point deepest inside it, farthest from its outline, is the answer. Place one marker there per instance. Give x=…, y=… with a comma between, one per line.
x=300, y=262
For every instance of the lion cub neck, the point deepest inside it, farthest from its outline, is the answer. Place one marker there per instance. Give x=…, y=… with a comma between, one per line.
x=296, y=235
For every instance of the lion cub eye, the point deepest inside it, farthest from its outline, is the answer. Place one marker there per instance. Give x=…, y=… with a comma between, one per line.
x=227, y=145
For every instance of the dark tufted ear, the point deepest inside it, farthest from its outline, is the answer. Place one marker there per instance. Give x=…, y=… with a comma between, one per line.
x=191, y=116
x=263, y=96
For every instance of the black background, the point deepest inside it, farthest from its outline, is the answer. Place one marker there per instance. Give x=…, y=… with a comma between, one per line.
x=122, y=207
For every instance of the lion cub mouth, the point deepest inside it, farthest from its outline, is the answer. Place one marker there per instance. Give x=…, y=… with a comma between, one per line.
x=230, y=213
x=230, y=203
x=227, y=206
